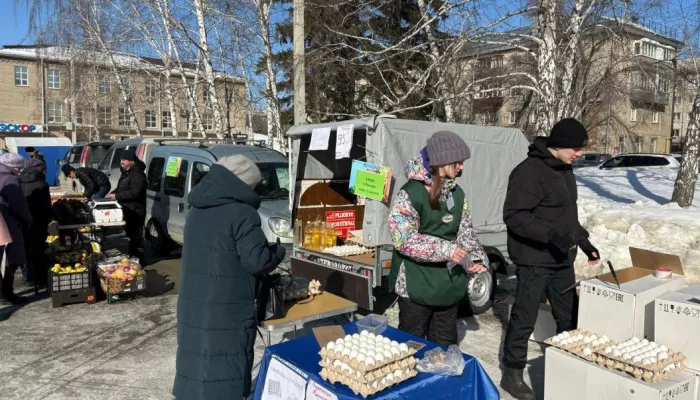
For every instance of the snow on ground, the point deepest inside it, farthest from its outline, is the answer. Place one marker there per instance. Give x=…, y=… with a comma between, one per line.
x=632, y=208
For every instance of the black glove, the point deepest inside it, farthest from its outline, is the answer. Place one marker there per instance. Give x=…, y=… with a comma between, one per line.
x=563, y=243
x=592, y=253
x=279, y=251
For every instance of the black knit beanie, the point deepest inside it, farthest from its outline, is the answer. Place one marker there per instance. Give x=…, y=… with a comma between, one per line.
x=568, y=133
x=446, y=147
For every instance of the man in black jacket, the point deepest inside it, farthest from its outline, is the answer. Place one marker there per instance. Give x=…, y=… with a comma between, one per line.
x=95, y=182
x=541, y=215
x=36, y=191
x=34, y=153
x=131, y=195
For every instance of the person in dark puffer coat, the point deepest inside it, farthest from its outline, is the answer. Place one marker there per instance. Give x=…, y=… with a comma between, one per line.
x=224, y=256
x=36, y=191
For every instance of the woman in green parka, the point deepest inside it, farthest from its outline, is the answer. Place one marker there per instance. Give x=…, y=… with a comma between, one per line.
x=435, y=244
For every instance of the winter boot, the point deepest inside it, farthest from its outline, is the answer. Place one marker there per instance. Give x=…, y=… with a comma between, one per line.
x=513, y=383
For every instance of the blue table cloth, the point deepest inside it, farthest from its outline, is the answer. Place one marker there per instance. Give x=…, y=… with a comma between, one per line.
x=302, y=353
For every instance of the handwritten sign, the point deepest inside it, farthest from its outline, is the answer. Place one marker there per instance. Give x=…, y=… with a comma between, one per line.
x=343, y=141
x=172, y=169
x=326, y=334
x=314, y=391
x=319, y=139
x=370, y=185
x=283, y=383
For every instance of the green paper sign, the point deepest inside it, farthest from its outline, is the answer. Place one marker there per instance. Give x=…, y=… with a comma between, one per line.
x=173, y=167
x=370, y=185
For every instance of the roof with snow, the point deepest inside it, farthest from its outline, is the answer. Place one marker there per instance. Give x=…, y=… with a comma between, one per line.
x=121, y=59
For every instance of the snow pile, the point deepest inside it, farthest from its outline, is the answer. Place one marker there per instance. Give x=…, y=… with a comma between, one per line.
x=632, y=208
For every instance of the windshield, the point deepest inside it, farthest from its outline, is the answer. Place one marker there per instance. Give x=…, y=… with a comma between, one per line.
x=275, y=180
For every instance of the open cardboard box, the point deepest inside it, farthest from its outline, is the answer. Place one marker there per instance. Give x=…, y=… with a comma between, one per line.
x=627, y=311
x=677, y=323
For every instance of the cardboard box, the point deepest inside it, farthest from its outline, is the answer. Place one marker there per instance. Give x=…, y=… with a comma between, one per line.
x=545, y=327
x=572, y=378
x=677, y=323
x=628, y=311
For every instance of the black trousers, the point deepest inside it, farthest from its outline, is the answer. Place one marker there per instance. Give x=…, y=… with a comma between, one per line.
x=437, y=324
x=533, y=283
x=134, y=231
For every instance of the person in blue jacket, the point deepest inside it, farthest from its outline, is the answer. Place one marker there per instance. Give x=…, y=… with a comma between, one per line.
x=224, y=256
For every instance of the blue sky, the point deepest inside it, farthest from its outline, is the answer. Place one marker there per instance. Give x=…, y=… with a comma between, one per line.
x=16, y=24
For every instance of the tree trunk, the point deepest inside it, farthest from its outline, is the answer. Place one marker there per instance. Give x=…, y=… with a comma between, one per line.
x=684, y=188
x=274, y=133
x=435, y=52
x=208, y=70
x=167, y=88
x=547, y=66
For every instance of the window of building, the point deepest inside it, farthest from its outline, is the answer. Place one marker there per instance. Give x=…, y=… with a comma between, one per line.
x=208, y=122
x=655, y=117
x=677, y=116
x=54, y=111
x=513, y=117
x=151, y=121
x=638, y=144
x=104, y=116
x=155, y=173
x=166, y=121
x=676, y=133
x=622, y=144
x=123, y=117
x=652, y=145
x=633, y=115
x=206, y=95
x=21, y=76
x=491, y=118
x=79, y=117
x=104, y=84
x=175, y=185
x=54, y=79
x=151, y=89
x=662, y=83
x=126, y=82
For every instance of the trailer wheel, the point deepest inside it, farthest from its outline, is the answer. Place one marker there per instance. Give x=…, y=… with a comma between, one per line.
x=481, y=289
x=159, y=241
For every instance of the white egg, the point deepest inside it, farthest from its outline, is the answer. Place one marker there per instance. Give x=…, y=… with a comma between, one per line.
x=383, y=381
x=587, y=351
x=587, y=340
x=330, y=346
x=594, y=337
x=648, y=354
x=605, y=339
x=635, y=340
x=636, y=359
x=339, y=341
x=356, y=336
x=653, y=345
x=379, y=357
x=617, y=353
x=626, y=356
x=395, y=352
x=364, y=345
x=348, y=337
x=387, y=355
x=360, y=357
x=653, y=360
x=354, y=353
x=644, y=342
x=386, y=340
x=646, y=361
x=663, y=348
x=579, y=337
x=364, y=333
x=555, y=340
x=398, y=374
x=371, y=335
x=339, y=348
x=375, y=385
x=595, y=343
x=337, y=363
x=608, y=350
x=369, y=361
x=671, y=367
x=663, y=356
x=565, y=334
x=379, y=337
x=346, y=351
x=394, y=343
x=403, y=347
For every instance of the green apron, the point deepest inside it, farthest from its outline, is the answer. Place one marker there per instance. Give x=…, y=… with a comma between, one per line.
x=432, y=284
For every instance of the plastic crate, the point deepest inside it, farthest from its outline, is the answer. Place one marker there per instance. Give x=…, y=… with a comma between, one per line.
x=86, y=295
x=373, y=323
x=72, y=281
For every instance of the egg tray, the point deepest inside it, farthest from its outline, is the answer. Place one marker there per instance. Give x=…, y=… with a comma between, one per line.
x=361, y=366
x=649, y=373
x=365, y=389
x=369, y=377
x=362, y=250
x=577, y=347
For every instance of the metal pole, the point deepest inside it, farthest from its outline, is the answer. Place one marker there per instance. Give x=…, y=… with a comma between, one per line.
x=299, y=69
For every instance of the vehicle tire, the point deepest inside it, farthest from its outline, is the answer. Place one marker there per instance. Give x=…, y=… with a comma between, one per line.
x=157, y=238
x=481, y=289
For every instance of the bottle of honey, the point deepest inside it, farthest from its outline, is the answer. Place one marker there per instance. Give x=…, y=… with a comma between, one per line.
x=308, y=237
x=316, y=235
x=331, y=238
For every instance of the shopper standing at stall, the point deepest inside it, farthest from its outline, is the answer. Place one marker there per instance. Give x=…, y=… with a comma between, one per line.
x=95, y=182
x=434, y=240
x=224, y=256
x=541, y=215
x=36, y=192
x=34, y=154
x=15, y=212
x=131, y=195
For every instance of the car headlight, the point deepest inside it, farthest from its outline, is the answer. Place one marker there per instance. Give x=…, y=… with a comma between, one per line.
x=281, y=227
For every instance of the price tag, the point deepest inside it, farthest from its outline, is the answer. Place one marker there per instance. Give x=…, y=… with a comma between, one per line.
x=319, y=139
x=343, y=141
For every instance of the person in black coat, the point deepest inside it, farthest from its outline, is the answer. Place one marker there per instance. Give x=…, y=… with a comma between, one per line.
x=544, y=233
x=36, y=191
x=131, y=195
x=95, y=182
x=224, y=256
x=34, y=153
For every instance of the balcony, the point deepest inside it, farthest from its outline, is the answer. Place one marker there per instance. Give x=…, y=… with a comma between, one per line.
x=642, y=95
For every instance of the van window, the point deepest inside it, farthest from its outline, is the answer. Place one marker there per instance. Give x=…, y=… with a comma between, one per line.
x=107, y=161
x=658, y=161
x=74, y=154
x=116, y=161
x=96, y=153
x=199, y=171
x=175, y=186
x=155, y=172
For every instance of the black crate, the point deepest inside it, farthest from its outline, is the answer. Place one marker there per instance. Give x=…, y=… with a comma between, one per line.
x=86, y=295
x=72, y=281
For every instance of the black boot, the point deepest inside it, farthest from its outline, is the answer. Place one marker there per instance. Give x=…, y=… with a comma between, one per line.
x=513, y=383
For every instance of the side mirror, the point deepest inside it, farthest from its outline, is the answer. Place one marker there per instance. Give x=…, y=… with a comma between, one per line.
x=59, y=162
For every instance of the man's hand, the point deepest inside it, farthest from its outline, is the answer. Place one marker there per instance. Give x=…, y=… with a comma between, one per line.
x=477, y=268
x=592, y=253
x=458, y=255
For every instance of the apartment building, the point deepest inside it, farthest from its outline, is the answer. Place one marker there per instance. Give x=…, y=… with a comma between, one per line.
x=685, y=93
x=628, y=86
x=50, y=90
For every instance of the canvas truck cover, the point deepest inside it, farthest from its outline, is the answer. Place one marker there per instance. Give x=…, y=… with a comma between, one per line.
x=391, y=142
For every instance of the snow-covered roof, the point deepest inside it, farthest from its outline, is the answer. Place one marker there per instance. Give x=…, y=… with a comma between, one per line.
x=122, y=60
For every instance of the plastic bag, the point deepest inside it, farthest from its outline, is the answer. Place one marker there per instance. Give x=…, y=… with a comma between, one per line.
x=446, y=363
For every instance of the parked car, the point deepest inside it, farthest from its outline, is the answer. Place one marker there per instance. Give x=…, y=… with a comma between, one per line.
x=167, y=205
x=641, y=161
x=110, y=163
x=591, y=160
x=85, y=154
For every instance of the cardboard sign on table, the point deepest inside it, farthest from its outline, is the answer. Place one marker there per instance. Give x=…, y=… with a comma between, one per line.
x=628, y=311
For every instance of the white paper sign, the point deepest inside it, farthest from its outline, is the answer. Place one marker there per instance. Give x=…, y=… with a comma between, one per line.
x=343, y=141
x=319, y=138
x=282, y=383
x=314, y=391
